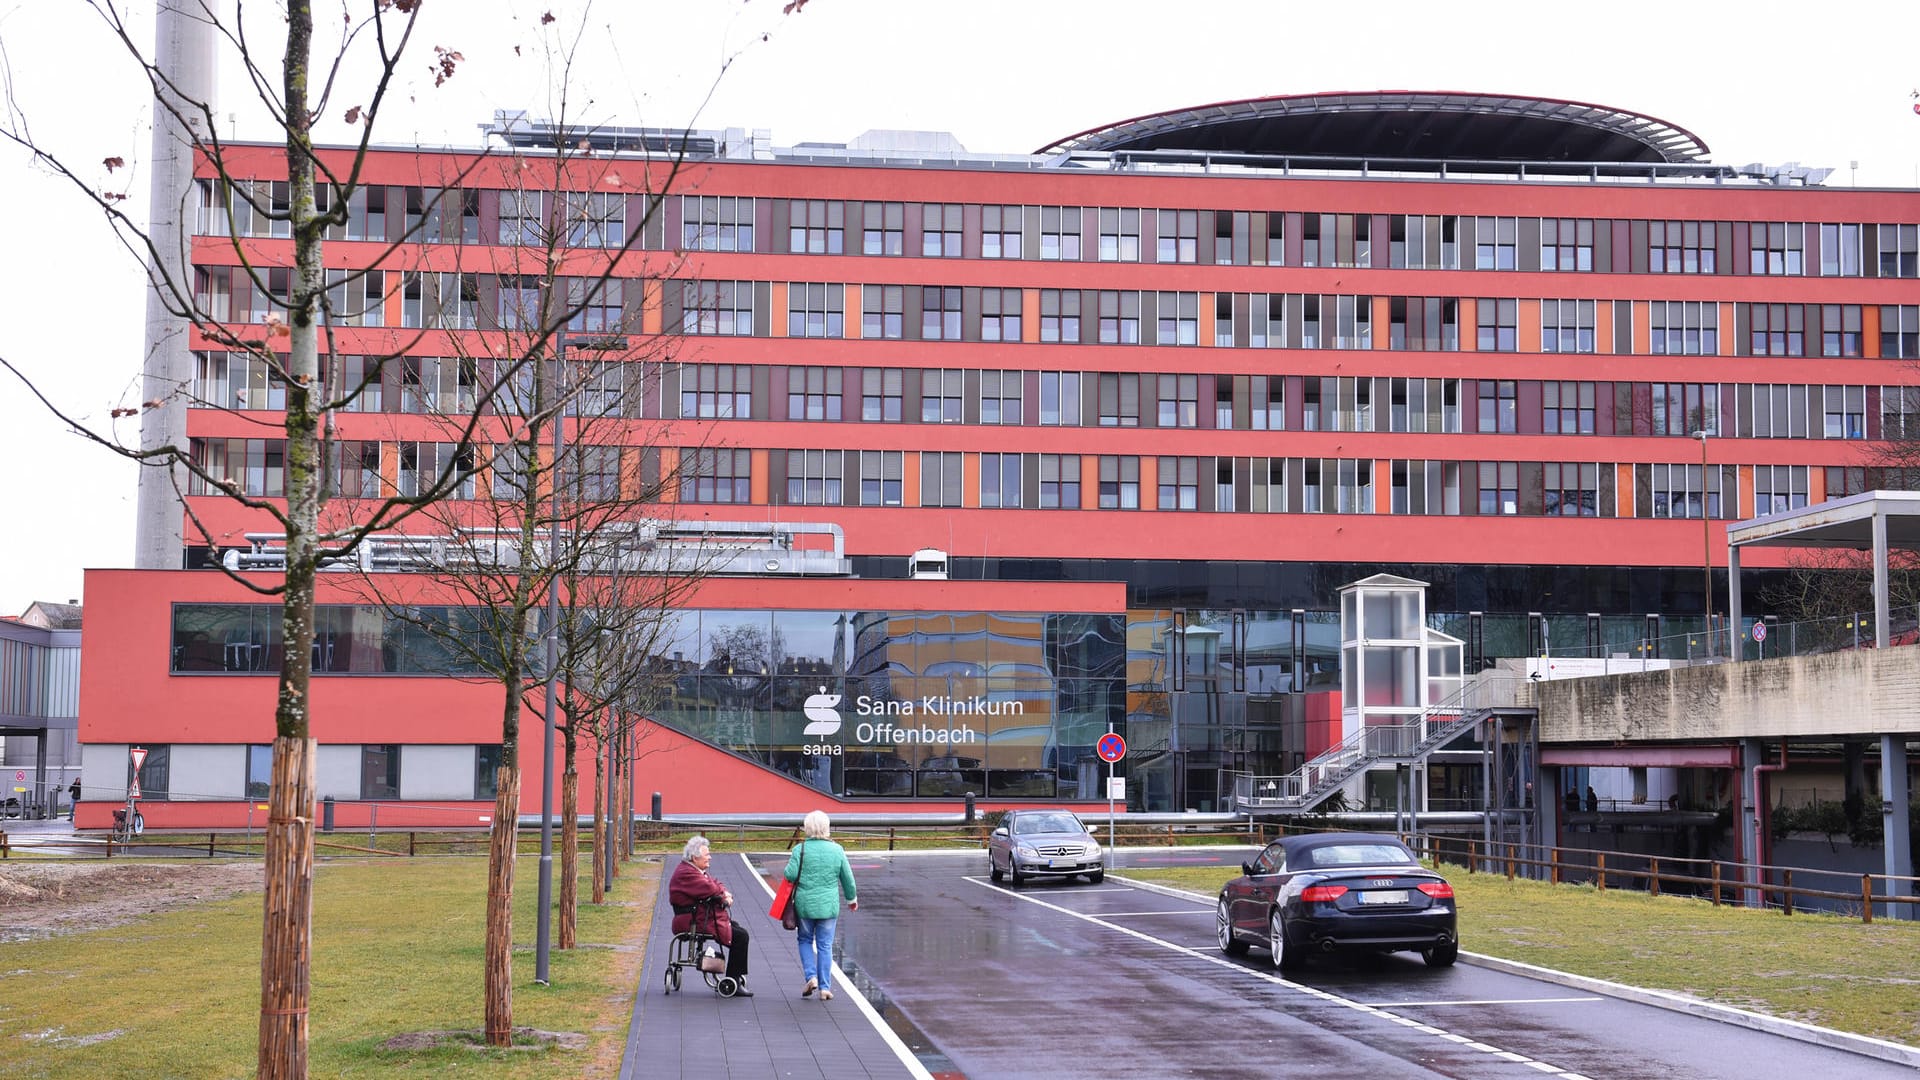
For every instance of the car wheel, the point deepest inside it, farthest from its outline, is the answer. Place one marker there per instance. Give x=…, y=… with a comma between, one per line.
x=1013, y=871
x=1441, y=955
x=1283, y=960
x=1229, y=944
x=993, y=869
x=1097, y=876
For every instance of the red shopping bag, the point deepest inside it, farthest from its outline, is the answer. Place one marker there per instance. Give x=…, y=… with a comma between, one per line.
x=782, y=902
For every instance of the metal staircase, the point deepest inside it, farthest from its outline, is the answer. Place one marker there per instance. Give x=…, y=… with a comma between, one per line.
x=1379, y=744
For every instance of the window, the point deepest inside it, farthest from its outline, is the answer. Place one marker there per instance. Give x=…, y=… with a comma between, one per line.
x=1119, y=482
x=1335, y=240
x=1426, y=242
x=353, y=469
x=599, y=389
x=882, y=311
x=522, y=218
x=1566, y=244
x=1000, y=231
x=1425, y=487
x=941, y=474
x=1060, y=398
x=440, y=301
x=356, y=297
x=1686, y=408
x=1681, y=247
x=716, y=391
x=1684, y=328
x=940, y=313
x=813, y=393
x=716, y=223
x=1899, y=250
x=1119, y=235
x=517, y=304
x=813, y=478
x=1345, y=321
x=380, y=771
x=1119, y=318
x=1423, y=405
x=1000, y=397
x=1060, y=233
x=1119, y=400
x=596, y=219
x=717, y=307
x=1774, y=247
x=423, y=464
x=1179, y=482
x=1840, y=251
x=880, y=472
x=1495, y=242
x=259, y=781
x=1177, y=237
x=815, y=310
x=1499, y=320
x=1566, y=326
x=1779, y=488
x=1353, y=409
x=1000, y=481
x=513, y=471
x=154, y=778
x=1675, y=491
x=1499, y=487
x=1572, y=490
x=1177, y=319
x=1900, y=331
x=1900, y=412
x=486, y=772
x=940, y=230
x=1000, y=314
x=597, y=305
x=1060, y=481
x=1846, y=411
x=1179, y=401
x=242, y=466
x=1498, y=408
x=1840, y=330
x=816, y=227
x=1776, y=329
x=940, y=396
x=1059, y=315
x=589, y=473
x=1566, y=408
x=883, y=228
x=880, y=394
x=719, y=476
x=1423, y=323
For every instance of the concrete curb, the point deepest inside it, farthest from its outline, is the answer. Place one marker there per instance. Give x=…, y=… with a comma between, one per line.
x=1866, y=1046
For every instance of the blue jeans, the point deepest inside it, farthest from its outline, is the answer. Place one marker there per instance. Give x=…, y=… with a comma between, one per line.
x=816, y=950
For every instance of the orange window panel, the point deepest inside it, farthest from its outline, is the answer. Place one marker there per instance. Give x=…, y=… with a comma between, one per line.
x=1623, y=491
x=1869, y=331
x=1383, y=487
x=1642, y=322
x=1207, y=316
x=909, y=478
x=970, y=480
x=1029, y=315
x=1382, y=321
x=757, y=478
x=1746, y=491
x=1529, y=325
x=777, y=326
x=1816, y=483
x=851, y=307
x=1469, y=323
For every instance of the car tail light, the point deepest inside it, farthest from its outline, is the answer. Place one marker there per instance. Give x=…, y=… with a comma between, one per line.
x=1315, y=894
x=1439, y=890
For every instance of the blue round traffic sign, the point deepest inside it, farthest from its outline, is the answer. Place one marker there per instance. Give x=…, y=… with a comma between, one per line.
x=1111, y=747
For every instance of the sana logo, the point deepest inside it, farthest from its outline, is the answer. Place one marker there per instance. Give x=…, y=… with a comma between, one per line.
x=823, y=718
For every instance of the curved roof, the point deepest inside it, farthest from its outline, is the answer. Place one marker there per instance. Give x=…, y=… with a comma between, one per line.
x=1382, y=124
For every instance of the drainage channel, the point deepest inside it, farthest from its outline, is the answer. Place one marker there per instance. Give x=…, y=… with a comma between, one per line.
x=929, y=1055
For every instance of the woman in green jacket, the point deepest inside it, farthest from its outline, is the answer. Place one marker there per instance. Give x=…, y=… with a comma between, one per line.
x=821, y=876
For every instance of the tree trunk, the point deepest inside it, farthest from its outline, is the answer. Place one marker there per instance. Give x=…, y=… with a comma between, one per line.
x=500, y=860
x=569, y=850
x=286, y=930
x=600, y=835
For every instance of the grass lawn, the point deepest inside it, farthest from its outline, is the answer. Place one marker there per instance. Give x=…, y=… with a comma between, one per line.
x=1820, y=969
x=397, y=948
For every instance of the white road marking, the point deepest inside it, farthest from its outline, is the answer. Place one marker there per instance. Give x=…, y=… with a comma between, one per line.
x=1489, y=1001
x=1184, y=911
x=1242, y=969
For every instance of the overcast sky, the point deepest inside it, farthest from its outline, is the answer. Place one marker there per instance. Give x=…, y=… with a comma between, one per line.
x=1761, y=81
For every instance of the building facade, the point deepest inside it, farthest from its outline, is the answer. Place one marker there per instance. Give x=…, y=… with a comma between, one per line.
x=1184, y=375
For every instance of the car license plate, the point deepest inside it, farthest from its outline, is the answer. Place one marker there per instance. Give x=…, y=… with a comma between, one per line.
x=1384, y=896
x=1059, y=862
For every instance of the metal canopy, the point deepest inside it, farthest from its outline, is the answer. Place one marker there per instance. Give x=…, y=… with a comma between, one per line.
x=1871, y=521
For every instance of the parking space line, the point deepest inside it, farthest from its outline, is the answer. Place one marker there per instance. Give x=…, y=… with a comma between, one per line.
x=1268, y=977
x=1117, y=914
x=1490, y=1001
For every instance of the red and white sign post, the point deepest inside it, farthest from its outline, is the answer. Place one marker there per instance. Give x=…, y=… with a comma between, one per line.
x=1111, y=748
x=138, y=755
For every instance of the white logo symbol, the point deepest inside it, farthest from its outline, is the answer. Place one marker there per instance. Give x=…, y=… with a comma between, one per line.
x=822, y=717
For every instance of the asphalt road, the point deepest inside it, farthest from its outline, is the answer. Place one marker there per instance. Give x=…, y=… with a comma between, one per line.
x=1074, y=980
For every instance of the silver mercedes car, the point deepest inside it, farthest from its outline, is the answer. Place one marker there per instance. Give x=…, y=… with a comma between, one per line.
x=1043, y=843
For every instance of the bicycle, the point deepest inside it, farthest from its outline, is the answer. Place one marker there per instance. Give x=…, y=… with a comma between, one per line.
x=127, y=825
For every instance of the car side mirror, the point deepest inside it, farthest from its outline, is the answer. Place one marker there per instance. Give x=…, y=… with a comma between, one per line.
x=1000, y=832
x=1246, y=868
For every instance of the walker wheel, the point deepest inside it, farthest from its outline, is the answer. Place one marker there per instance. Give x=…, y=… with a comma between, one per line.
x=673, y=979
x=727, y=986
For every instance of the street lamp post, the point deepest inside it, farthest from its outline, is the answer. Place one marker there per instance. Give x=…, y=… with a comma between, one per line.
x=1706, y=546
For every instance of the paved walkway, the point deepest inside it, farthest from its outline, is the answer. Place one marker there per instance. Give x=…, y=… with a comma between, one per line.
x=696, y=1033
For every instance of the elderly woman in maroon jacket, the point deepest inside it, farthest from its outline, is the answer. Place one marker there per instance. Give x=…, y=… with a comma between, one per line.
x=689, y=886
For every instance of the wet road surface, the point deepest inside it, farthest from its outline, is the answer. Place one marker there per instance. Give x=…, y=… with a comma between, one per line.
x=1067, y=979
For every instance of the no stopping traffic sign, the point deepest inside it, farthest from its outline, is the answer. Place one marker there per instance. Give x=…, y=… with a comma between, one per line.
x=1111, y=747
